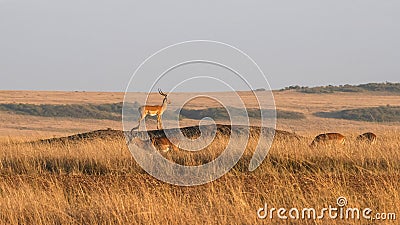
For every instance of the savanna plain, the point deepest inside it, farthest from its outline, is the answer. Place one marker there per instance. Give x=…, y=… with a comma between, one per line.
x=97, y=181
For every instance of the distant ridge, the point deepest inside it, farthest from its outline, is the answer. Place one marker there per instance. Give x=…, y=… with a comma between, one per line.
x=373, y=87
x=113, y=111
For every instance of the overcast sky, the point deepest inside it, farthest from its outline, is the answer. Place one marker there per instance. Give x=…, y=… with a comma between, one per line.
x=96, y=45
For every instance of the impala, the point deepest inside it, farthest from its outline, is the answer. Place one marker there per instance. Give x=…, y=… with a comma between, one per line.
x=368, y=137
x=159, y=143
x=153, y=110
x=335, y=138
x=163, y=144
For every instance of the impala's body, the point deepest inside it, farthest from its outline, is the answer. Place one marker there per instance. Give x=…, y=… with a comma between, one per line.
x=153, y=110
x=367, y=137
x=334, y=138
x=159, y=143
x=164, y=144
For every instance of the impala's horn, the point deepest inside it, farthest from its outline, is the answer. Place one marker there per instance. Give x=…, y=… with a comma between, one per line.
x=161, y=93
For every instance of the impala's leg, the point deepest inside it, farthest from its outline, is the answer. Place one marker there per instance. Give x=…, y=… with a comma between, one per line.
x=142, y=116
x=139, y=120
x=129, y=137
x=159, y=123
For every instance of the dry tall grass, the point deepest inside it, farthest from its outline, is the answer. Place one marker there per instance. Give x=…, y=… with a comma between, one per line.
x=98, y=182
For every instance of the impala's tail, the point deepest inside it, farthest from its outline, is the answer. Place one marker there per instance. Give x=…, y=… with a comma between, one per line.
x=130, y=134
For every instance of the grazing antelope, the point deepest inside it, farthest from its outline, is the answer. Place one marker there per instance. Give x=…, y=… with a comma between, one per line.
x=368, y=137
x=153, y=110
x=328, y=138
x=159, y=143
x=164, y=144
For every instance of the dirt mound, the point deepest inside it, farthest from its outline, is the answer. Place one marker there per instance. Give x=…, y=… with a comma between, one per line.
x=189, y=132
x=92, y=135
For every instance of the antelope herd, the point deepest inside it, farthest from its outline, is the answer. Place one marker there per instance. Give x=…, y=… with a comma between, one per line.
x=164, y=144
x=337, y=138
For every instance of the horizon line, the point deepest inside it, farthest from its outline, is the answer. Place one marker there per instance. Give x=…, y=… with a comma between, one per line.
x=257, y=89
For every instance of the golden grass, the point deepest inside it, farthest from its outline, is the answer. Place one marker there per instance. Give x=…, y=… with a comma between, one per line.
x=98, y=182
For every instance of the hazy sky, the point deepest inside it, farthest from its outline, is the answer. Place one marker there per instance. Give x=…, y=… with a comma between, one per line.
x=96, y=45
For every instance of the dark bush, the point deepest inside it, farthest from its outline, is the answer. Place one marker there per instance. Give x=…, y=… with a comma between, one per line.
x=373, y=114
x=221, y=113
x=112, y=111
x=89, y=111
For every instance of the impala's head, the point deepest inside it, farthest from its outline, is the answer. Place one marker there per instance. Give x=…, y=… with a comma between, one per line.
x=165, y=96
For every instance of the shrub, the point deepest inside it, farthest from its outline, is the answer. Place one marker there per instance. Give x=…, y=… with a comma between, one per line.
x=221, y=113
x=374, y=114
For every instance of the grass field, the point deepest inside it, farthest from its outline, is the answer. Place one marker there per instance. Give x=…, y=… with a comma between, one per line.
x=98, y=181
